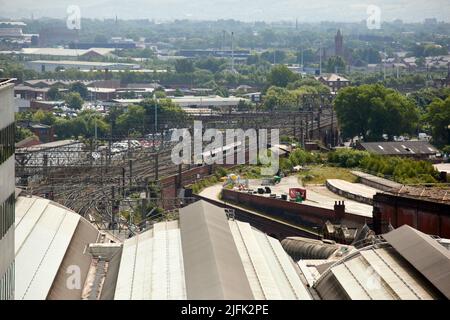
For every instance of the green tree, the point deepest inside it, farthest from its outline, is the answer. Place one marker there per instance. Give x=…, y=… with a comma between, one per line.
x=133, y=118
x=53, y=93
x=276, y=56
x=311, y=83
x=373, y=110
x=22, y=133
x=211, y=64
x=74, y=100
x=184, y=66
x=160, y=94
x=169, y=114
x=245, y=106
x=277, y=98
x=438, y=116
x=335, y=64
x=44, y=117
x=82, y=126
x=281, y=76
x=79, y=88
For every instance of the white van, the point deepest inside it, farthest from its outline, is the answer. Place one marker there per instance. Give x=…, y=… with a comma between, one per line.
x=424, y=137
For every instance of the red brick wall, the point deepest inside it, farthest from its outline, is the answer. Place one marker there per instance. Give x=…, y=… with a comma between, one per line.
x=169, y=185
x=296, y=213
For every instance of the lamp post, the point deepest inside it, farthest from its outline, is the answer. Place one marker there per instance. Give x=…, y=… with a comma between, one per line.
x=156, y=116
x=320, y=54
x=95, y=129
x=448, y=134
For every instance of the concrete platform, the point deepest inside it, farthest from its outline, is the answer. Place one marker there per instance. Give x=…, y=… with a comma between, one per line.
x=443, y=167
x=377, y=182
x=355, y=191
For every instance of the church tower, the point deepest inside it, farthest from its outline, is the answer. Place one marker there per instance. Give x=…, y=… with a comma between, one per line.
x=339, y=44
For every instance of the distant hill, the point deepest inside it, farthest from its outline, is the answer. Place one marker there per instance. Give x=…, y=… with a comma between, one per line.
x=248, y=10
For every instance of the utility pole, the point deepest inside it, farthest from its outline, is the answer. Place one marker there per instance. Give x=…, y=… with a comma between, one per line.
x=320, y=57
x=223, y=40
x=96, y=135
x=156, y=116
x=232, y=51
x=303, y=67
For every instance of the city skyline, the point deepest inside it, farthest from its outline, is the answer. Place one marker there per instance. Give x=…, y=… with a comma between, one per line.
x=287, y=10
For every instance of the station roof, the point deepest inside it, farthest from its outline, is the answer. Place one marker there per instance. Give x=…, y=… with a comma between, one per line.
x=206, y=256
x=410, y=265
x=427, y=255
x=48, y=240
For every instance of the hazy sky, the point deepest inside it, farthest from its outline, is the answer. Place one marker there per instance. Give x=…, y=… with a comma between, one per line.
x=245, y=10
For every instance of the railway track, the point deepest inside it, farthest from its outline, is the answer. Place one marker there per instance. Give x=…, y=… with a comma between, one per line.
x=90, y=187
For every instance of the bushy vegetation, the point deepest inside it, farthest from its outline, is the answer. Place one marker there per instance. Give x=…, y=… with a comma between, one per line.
x=402, y=170
x=319, y=174
x=299, y=157
x=347, y=158
x=204, y=183
x=245, y=171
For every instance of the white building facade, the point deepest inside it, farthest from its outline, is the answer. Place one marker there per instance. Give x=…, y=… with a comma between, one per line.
x=7, y=194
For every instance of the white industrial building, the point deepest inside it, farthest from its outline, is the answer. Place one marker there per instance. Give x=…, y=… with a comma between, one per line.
x=66, y=53
x=213, y=102
x=53, y=65
x=7, y=181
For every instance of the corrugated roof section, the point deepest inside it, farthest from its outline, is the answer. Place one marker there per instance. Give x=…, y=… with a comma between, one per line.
x=400, y=147
x=43, y=234
x=374, y=273
x=213, y=267
x=270, y=271
x=427, y=256
x=151, y=265
x=207, y=256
